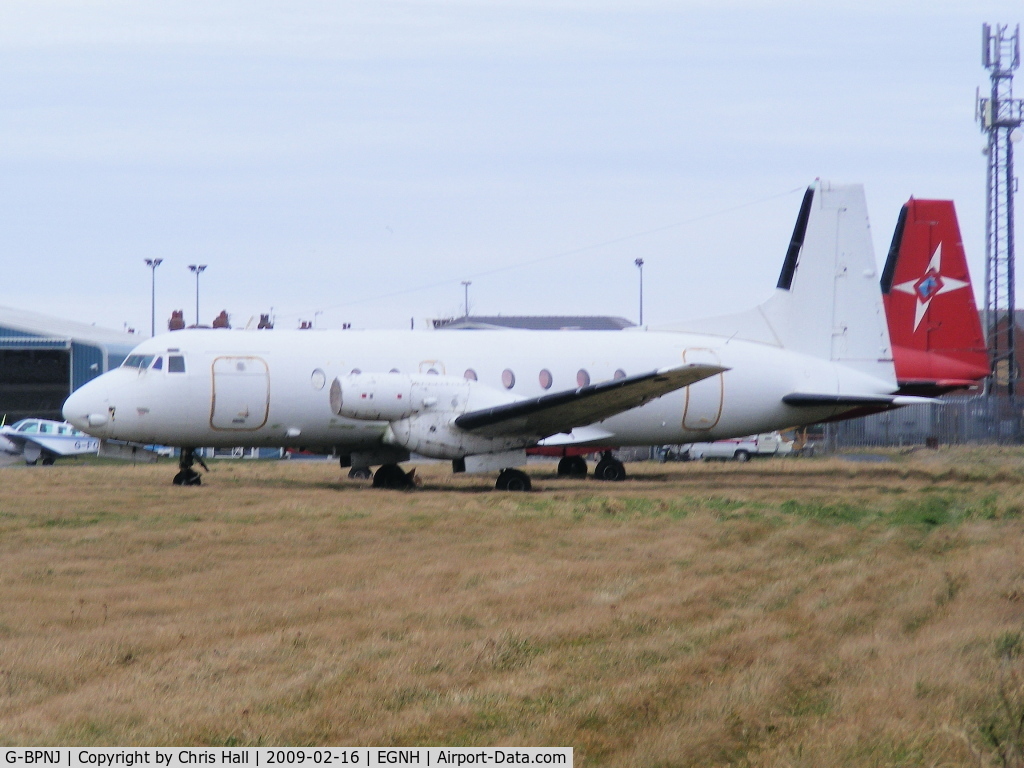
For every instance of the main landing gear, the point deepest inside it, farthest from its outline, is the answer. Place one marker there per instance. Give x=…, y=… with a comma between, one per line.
x=513, y=480
x=572, y=466
x=394, y=477
x=186, y=475
x=609, y=468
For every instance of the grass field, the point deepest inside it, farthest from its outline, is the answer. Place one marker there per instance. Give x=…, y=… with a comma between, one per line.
x=799, y=612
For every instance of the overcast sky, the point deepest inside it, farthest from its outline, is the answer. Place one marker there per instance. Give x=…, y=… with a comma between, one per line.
x=356, y=160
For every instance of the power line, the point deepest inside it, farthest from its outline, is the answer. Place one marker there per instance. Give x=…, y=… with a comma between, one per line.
x=560, y=255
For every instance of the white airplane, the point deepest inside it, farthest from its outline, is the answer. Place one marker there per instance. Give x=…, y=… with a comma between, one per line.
x=817, y=348
x=36, y=439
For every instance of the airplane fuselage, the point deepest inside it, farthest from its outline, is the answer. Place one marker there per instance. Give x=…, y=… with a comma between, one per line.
x=271, y=388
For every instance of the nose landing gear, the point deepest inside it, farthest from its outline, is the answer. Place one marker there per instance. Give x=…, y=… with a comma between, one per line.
x=186, y=475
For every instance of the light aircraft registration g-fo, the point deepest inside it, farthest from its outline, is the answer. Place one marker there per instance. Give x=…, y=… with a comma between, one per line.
x=817, y=348
x=46, y=440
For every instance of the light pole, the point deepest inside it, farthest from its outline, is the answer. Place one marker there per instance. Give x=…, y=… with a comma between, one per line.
x=198, y=270
x=640, y=265
x=465, y=286
x=153, y=264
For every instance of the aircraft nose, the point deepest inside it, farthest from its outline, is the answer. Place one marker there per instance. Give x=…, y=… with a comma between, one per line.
x=86, y=409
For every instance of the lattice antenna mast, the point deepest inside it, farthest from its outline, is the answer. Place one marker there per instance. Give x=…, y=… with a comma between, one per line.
x=1000, y=115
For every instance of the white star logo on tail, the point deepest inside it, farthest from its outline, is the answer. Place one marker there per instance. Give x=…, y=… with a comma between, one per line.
x=930, y=285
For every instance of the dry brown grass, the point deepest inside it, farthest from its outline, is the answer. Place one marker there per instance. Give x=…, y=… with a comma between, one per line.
x=794, y=613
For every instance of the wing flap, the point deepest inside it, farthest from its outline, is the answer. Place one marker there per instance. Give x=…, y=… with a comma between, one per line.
x=564, y=411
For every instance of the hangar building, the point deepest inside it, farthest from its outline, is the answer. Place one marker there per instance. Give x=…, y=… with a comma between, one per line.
x=44, y=359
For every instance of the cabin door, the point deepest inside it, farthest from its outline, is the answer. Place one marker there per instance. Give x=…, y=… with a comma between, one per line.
x=241, y=393
x=703, y=406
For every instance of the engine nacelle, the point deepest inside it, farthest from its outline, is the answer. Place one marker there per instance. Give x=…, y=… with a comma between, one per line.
x=373, y=396
x=421, y=409
x=433, y=434
x=395, y=396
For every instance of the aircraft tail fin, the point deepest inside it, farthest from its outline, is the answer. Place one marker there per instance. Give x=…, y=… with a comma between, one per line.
x=936, y=333
x=827, y=303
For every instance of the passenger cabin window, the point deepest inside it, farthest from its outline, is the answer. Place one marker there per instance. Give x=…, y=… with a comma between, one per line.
x=619, y=374
x=508, y=379
x=175, y=364
x=469, y=375
x=582, y=378
x=546, y=379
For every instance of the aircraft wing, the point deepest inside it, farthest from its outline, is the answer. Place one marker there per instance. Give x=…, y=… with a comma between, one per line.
x=58, y=445
x=66, y=445
x=564, y=411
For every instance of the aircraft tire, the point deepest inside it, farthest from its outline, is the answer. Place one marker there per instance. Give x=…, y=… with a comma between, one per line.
x=572, y=466
x=513, y=480
x=187, y=477
x=392, y=477
x=360, y=473
x=47, y=461
x=611, y=470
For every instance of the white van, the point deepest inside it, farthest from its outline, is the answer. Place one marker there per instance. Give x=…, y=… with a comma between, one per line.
x=740, y=448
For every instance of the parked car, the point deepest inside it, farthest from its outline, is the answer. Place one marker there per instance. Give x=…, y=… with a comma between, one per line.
x=738, y=449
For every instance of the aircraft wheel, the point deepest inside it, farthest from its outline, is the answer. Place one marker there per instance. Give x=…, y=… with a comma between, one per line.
x=513, y=480
x=610, y=469
x=360, y=473
x=572, y=466
x=393, y=477
x=187, y=477
x=742, y=456
x=47, y=461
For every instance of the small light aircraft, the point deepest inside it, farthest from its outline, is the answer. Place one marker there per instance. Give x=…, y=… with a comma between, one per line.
x=817, y=348
x=45, y=440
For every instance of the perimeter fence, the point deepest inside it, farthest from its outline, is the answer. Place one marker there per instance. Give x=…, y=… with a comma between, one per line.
x=951, y=421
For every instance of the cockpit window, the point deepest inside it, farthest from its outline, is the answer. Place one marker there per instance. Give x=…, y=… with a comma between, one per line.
x=158, y=364
x=175, y=364
x=137, y=361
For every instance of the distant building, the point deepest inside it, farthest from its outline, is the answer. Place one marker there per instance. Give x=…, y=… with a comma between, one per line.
x=44, y=359
x=535, y=322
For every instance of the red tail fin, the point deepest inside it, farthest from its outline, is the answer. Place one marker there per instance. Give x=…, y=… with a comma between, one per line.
x=936, y=334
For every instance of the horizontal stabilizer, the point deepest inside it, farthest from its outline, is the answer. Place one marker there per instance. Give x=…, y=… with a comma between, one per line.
x=564, y=411
x=806, y=400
